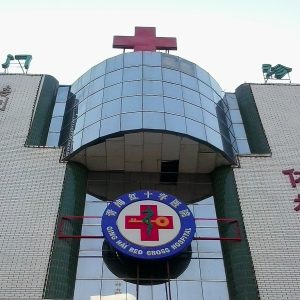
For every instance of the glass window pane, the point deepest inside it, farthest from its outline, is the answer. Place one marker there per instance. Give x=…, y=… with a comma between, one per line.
x=209, y=105
x=110, y=125
x=111, y=108
x=243, y=146
x=56, y=124
x=212, y=269
x=191, y=288
x=131, y=121
x=211, y=120
x=193, y=112
x=79, y=124
x=148, y=122
x=132, y=88
x=134, y=73
x=171, y=75
x=239, y=130
x=52, y=139
x=195, y=129
x=172, y=90
x=215, y=290
x=214, y=138
x=232, y=101
x=189, y=81
x=191, y=96
x=153, y=103
x=151, y=58
x=96, y=85
x=92, y=116
x=205, y=90
x=113, y=77
x=81, y=108
x=175, y=123
x=192, y=272
x=77, y=140
x=131, y=104
x=84, y=289
x=187, y=67
x=112, y=92
x=90, y=133
x=59, y=109
x=152, y=87
x=174, y=106
x=114, y=63
x=170, y=61
x=132, y=59
x=203, y=75
x=152, y=73
x=236, y=116
x=62, y=94
x=94, y=100
x=89, y=268
x=98, y=70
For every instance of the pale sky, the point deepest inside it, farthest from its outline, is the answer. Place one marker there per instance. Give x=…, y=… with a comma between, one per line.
x=230, y=39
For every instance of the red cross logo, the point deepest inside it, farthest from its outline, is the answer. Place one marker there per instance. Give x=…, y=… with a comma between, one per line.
x=145, y=39
x=149, y=222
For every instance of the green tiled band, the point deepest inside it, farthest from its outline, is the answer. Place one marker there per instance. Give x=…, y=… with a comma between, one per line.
x=237, y=257
x=63, y=261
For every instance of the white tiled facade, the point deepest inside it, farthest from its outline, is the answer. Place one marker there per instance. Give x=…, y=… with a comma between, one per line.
x=31, y=181
x=267, y=197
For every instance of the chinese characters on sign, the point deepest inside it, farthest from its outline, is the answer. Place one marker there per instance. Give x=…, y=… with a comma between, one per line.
x=294, y=177
x=4, y=96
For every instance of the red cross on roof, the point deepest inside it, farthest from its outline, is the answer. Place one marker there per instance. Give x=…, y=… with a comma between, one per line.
x=145, y=39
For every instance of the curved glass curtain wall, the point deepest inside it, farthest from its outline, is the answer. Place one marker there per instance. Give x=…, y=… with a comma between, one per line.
x=147, y=91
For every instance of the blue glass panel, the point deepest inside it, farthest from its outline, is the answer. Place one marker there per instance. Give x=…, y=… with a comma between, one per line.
x=131, y=104
x=114, y=63
x=55, y=124
x=151, y=58
x=170, y=61
x=153, y=103
x=59, y=109
x=84, y=289
x=189, y=81
x=236, y=116
x=133, y=73
x=191, y=96
x=205, y=90
x=152, y=73
x=62, y=94
x=132, y=88
x=187, y=67
x=171, y=75
x=215, y=290
x=216, y=86
x=112, y=92
x=110, y=125
x=90, y=133
x=214, y=137
x=92, y=116
x=76, y=140
x=152, y=87
x=96, y=85
x=175, y=123
x=153, y=120
x=131, y=121
x=191, y=288
x=79, y=124
x=81, y=108
x=232, y=101
x=52, y=139
x=132, y=59
x=172, y=90
x=217, y=98
x=195, y=129
x=239, y=130
x=203, y=75
x=243, y=146
x=98, y=70
x=209, y=105
x=111, y=108
x=174, y=106
x=193, y=112
x=86, y=78
x=94, y=100
x=211, y=120
x=113, y=77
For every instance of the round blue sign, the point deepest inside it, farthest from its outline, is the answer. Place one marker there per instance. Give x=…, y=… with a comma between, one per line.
x=148, y=225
